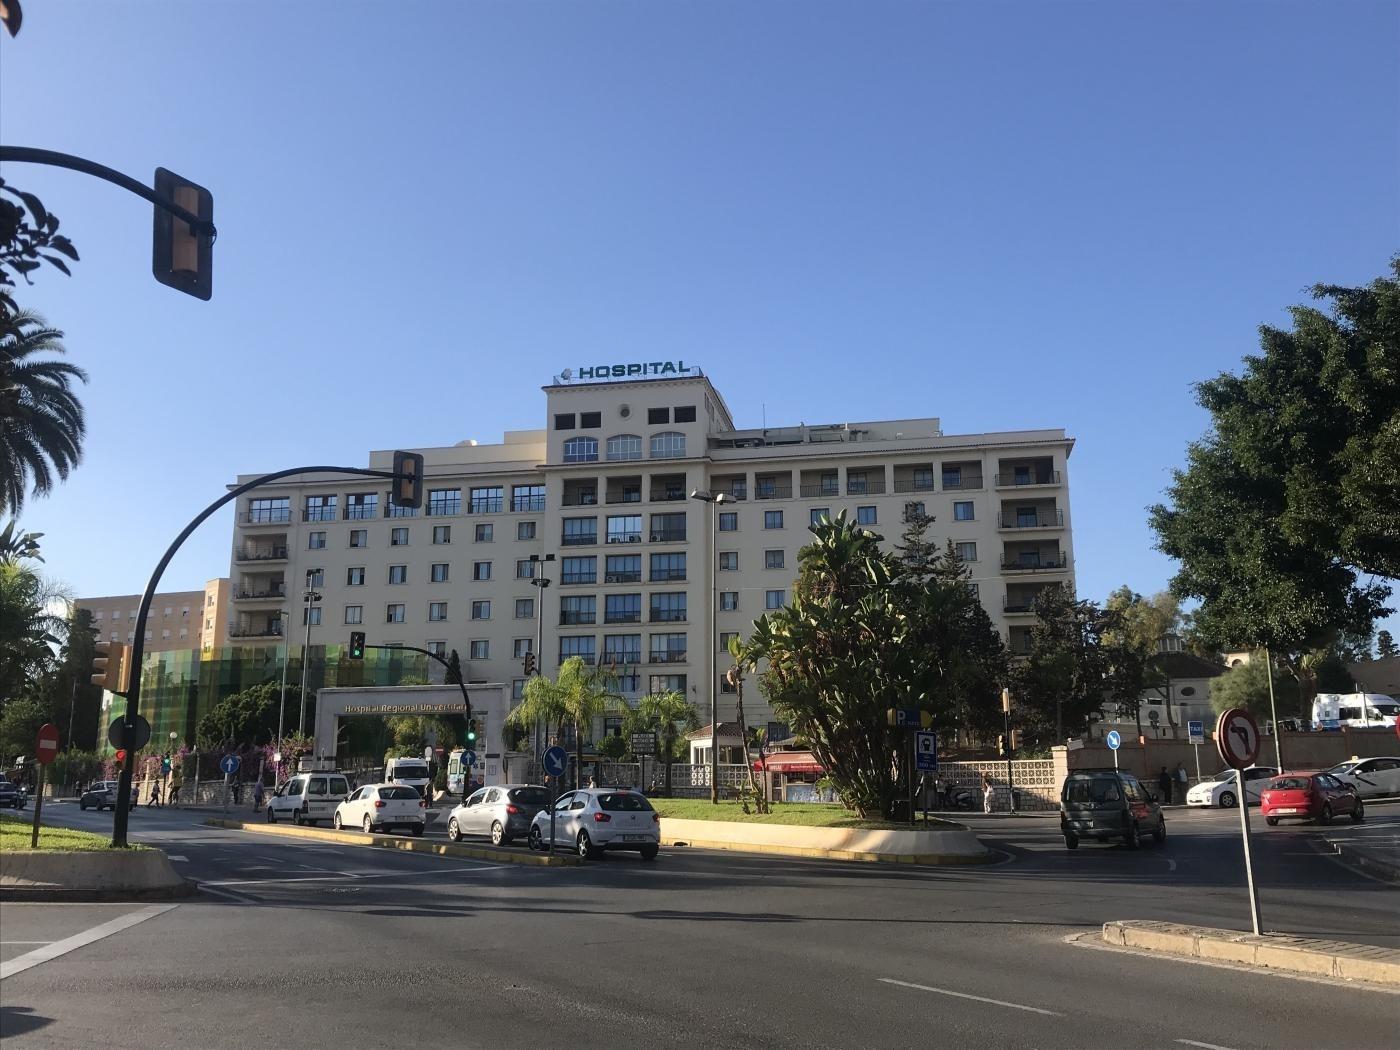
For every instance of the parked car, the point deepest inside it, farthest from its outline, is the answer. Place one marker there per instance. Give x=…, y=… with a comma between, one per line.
x=307, y=798
x=1106, y=804
x=504, y=812
x=1309, y=796
x=382, y=807
x=595, y=820
x=1221, y=790
x=1372, y=777
x=12, y=796
x=102, y=794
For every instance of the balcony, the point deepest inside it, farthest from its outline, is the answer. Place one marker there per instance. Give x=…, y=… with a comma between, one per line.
x=486, y=505
x=1045, y=519
x=271, y=595
x=868, y=487
x=914, y=484
x=961, y=482
x=577, y=619
x=587, y=658
x=585, y=498
x=1035, y=562
x=583, y=539
x=622, y=577
x=821, y=490
x=361, y=511
x=667, y=495
x=243, y=554
x=1018, y=603
x=526, y=504
x=443, y=508
x=668, y=576
x=783, y=491
x=569, y=578
x=273, y=516
x=624, y=496
x=668, y=536
x=243, y=630
x=668, y=616
x=623, y=617
x=1023, y=479
x=622, y=658
x=675, y=656
x=326, y=513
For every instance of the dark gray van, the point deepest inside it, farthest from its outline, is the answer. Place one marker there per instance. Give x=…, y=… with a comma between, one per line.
x=1108, y=804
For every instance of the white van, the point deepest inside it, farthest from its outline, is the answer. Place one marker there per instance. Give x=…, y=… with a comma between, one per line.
x=1355, y=710
x=308, y=798
x=411, y=771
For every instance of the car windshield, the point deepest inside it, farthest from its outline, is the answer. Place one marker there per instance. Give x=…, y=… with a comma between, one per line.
x=397, y=792
x=1092, y=789
x=418, y=772
x=1290, y=783
x=1343, y=767
x=624, y=800
x=530, y=796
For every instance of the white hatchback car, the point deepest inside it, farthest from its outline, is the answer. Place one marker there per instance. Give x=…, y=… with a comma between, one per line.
x=382, y=807
x=594, y=820
x=1372, y=777
x=1220, y=790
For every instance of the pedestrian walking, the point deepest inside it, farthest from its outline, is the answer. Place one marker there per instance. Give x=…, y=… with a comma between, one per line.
x=154, y=800
x=940, y=794
x=989, y=793
x=1164, y=782
x=175, y=784
x=257, y=795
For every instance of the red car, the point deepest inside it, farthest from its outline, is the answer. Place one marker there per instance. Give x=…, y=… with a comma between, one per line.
x=1309, y=796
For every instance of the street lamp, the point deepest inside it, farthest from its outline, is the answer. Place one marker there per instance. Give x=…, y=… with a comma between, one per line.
x=714, y=499
x=539, y=582
x=285, y=615
x=310, y=596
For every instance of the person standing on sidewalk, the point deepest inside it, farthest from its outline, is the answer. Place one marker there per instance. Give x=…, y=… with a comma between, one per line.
x=257, y=795
x=175, y=782
x=1182, y=780
x=989, y=793
x=1164, y=783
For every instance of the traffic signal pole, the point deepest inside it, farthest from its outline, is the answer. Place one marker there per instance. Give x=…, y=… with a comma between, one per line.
x=133, y=695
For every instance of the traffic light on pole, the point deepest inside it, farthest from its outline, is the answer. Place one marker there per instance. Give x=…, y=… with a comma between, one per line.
x=111, y=668
x=529, y=664
x=1001, y=746
x=357, y=645
x=182, y=256
x=471, y=733
x=121, y=754
x=408, y=480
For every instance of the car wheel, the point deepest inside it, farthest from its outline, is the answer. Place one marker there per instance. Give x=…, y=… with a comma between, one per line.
x=1358, y=814
x=498, y=833
x=1227, y=800
x=454, y=830
x=1271, y=821
x=335, y=822
x=586, y=849
x=416, y=831
x=1071, y=841
x=271, y=815
x=296, y=817
x=1326, y=816
x=650, y=852
x=535, y=840
x=82, y=804
x=1160, y=835
x=1132, y=839
x=368, y=825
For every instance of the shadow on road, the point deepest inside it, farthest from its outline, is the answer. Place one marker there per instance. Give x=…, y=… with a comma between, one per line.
x=20, y=1020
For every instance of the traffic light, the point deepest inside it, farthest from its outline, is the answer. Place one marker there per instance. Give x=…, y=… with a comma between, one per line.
x=1015, y=740
x=111, y=666
x=1001, y=746
x=529, y=664
x=165, y=764
x=357, y=645
x=471, y=733
x=408, y=480
x=182, y=256
x=121, y=754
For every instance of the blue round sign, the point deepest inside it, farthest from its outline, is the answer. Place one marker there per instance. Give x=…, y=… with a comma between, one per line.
x=468, y=758
x=556, y=760
x=1113, y=740
x=230, y=763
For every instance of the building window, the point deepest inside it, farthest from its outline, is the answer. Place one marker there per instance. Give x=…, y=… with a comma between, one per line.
x=667, y=528
x=728, y=601
x=974, y=589
x=524, y=530
x=729, y=521
x=442, y=534
x=361, y=506
x=486, y=499
x=667, y=567
x=658, y=416
x=773, y=560
x=315, y=541
x=622, y=608
x=622, y=648
x=581, y=450
x=355, y=576
x=952, y=477
x=444, y=501
x=166, y=633
x=967, y=551
x=581, y=531
x=354, y=614
x=772, y=519
x=624, y=447
x=623, y=568
x=666, y=683
x=578, y=570
x=524, y=608
x=669, y=444
x=437, y=648
x=923, y=479
x=817, y=514
x=398, y=537
x=315, y=577
x=269, y=511
x=439, y=572
x=481, y=570
x=624, y=528
x=774, y=599
x=359, y=537
x=962, y=511
x=685, y=414
x=729, y=561
x=865, y=516
x=517, y=689
x=583, y=647
x=590, y=420
x=481, y=610
x=563, y=421
x=668, y=607
x=319, y=508
x=524, y=569
x=577, y=609
x=856, y=482
x=437, y=611
x=913, y=511
x=393, y=510
x=724, y=639
x=527, y=498
x=480, y=650
x=522, y=647
x=393, y=614
x=668, y=649
x=398, y=573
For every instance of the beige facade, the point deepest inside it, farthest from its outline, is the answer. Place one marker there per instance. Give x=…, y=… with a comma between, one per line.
x=605, y=488
x=177, y=620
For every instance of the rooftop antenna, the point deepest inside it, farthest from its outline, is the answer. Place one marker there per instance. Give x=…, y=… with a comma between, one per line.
x=765, y=417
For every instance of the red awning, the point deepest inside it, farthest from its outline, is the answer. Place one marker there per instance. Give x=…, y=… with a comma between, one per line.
x=791, y=762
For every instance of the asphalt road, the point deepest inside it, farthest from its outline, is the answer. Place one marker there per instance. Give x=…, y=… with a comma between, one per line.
x=316, y=945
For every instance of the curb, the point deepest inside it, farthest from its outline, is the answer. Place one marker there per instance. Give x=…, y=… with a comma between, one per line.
x=408, y=845
x=833, y=854
x=1306, y=955
x=35, y=893
x=1360, y=857
x=90, y=875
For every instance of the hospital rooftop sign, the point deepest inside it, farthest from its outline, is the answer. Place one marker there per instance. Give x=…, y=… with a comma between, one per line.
x=635, y=370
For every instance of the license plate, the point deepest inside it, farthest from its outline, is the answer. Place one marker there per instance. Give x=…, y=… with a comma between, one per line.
x=636, y=838
x=1286, y=811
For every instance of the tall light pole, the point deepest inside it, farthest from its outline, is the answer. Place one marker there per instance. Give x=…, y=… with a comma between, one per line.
x=539, y=582
x=714, y=500
x=282, y=702
x=310, y=596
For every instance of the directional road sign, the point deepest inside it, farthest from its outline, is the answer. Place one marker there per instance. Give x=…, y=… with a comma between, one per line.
x=1113, y=740
x=643, y=743
x=1196, y=732
x=229, y=764
x=925, y=752
x=469, y=758
x=1237, y=738
x=46, y=747
x=556, y=760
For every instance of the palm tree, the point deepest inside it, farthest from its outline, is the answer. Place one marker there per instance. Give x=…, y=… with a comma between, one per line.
x=541, y=705
x=735, y=676
x=587, y=693
x=41, y=419
x=663, y=712
x=15, y=545
x=29, y=630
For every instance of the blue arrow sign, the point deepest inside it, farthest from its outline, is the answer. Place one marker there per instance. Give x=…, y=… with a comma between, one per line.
x=1113, y=740
x=229, y=764
x=468, y=758
x=556, y=760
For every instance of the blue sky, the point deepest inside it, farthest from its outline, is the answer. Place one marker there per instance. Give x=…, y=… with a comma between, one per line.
x=1008, y=215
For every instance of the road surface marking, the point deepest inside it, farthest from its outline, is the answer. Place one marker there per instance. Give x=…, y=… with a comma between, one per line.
x=1205, y=1046
x=1171, y=864
x=26, y=942
x=964, y=995
x=237, y=898
x=182, y=860
x=350, y=875
x=78, y=940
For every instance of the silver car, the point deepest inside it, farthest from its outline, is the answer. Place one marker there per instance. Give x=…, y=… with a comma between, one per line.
x=594, y=820
x=504, y=812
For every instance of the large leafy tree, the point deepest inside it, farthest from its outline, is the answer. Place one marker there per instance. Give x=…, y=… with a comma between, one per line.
x=1385, y=645
x=245, y=718
x=41, y=418
x=1069, y=673
x=30, y=632
x=1133, y=627
x=1247, y=686
x=1294, y=494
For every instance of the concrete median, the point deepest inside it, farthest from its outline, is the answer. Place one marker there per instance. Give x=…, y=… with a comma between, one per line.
x=89, y=875
x=946, y=844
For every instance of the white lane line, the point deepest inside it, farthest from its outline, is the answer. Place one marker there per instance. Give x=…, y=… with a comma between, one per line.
x=1171, y=864
x=25, y=942
x=52, y=951
x=178, y=859
x=237, y=898
x=974, y=998
x=349, y=875
x=1205, y=1046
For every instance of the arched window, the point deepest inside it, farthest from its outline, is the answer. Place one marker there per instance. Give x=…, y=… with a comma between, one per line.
x=624, y=446
x=669, y=444
x=581, y=450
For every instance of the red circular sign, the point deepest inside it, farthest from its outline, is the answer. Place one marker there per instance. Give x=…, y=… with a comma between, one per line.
x=46, y=747
x=1237, y=738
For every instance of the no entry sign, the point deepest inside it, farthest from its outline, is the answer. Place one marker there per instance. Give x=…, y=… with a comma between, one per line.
x=46, y=746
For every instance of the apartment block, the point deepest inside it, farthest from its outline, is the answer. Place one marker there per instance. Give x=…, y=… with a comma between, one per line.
x=177, y=619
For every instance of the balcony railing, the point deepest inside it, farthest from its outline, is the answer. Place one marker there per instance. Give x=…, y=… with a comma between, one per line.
x=578, y=577
x=326, y=513
x=1017, y=604
x=773, y=492
x=587, y=658
x=1035, y=477
x=622, y=657
x=582, y=539
x=738, y=493
x=253, y=596
x=625, y=496
x=623, y=617
x=580, y=499
x=361, y=511
x=819, y=490
x=675, y=656
x=868, y=487
x=263, y=554
x=575, y=619
x=446, y=508
x=488, y=505
x=266, y=516
x=962, y=482
x=913, y=484
x=255, y=631
x=668, y=616
x=526, y=504
x=668, y=536
x=667, y=575
x=622, y=577
x=1045, y=519
x=667, y=495
x=394, y=511
x=624, y=537
x=1034, y=563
